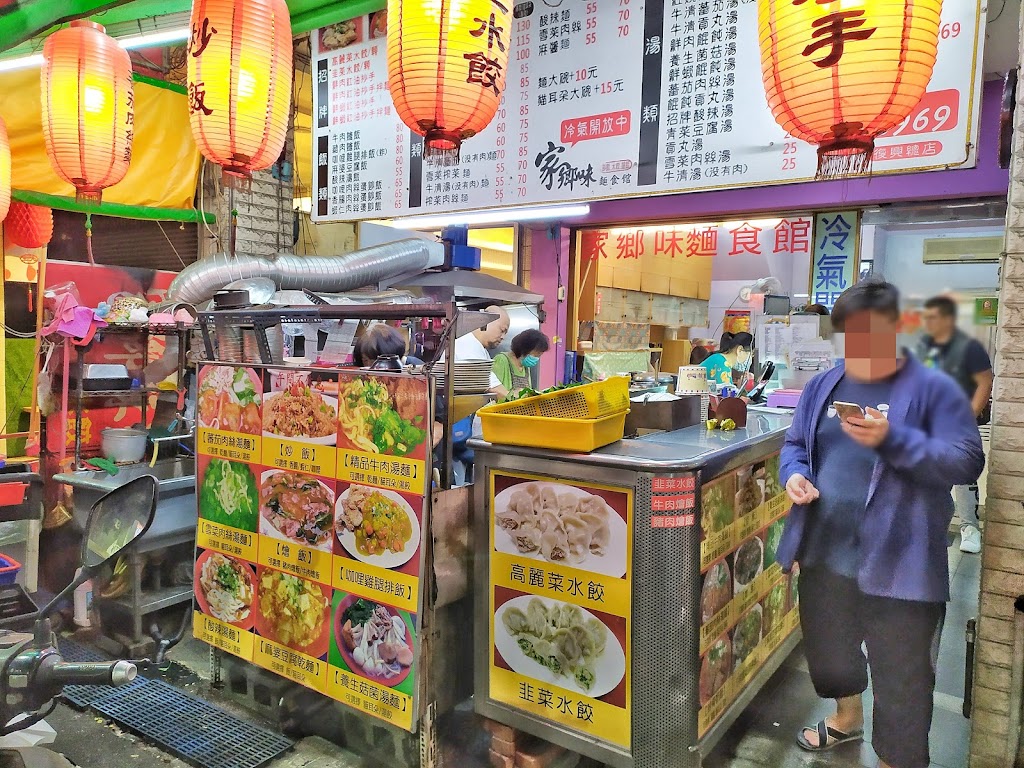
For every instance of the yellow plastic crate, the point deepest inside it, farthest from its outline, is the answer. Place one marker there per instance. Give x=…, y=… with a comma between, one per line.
x=589, y=401
x=580, y=419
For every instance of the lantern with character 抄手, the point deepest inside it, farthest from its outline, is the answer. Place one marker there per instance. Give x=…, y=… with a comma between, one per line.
x=840, y=73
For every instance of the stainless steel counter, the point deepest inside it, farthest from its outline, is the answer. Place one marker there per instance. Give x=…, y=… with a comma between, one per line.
x=661, y=482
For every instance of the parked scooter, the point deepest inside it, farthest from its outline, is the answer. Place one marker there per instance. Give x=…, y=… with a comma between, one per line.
x=32, y=672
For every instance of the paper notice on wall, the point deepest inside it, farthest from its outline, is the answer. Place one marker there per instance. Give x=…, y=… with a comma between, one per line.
x=811, y=356
x=805, y=328
x=339, y=342
x=774, y=336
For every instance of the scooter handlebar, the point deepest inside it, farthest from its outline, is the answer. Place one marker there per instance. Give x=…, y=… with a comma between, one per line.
x=113, y=673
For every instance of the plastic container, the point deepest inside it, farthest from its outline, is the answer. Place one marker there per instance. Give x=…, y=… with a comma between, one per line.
x=83, y=603
x=9, y=568
x=124, y=445
x=579, y=419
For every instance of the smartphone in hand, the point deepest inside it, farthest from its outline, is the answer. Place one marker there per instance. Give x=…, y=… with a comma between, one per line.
x=847, y=410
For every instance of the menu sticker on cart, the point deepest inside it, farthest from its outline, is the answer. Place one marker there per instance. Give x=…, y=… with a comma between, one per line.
x=717, y=519
x=310, y=576
x=560, y=560
x=747, y=603
x=374, y=657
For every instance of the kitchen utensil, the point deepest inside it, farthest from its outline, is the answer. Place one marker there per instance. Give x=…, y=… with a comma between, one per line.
x=124, y=445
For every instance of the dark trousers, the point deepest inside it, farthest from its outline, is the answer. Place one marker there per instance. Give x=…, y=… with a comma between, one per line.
x=901, y=638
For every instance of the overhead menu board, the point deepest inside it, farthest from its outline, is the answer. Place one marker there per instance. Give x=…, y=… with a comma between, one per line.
x=311, y=490
x=604, y=100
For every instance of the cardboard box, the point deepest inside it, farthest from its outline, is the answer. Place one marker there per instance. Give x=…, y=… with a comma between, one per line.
x=676, y=353
x=666, y=416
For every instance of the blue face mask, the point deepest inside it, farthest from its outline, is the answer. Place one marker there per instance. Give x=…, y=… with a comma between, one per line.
x=530, y=361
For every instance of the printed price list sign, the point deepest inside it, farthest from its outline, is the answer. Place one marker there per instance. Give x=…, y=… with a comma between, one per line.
x=306, y=566
x=606, y=100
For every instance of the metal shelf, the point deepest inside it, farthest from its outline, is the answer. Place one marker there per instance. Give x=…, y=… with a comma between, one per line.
x=151, y=601
x=96, y=393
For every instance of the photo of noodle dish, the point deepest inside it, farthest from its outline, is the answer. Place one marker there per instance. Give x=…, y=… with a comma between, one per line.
x=224, y=588
x=560, y=644
x=229, y=399
x=560, y=524
x=293, y=612
x=376, y=526
x=385, y=415
x=300, y=412
x=376, y=641
x=296, y=508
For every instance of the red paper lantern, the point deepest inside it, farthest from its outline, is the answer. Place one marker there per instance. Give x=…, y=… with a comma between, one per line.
x=240, y=83
x=30, y=226
x=88, y=108
x=446, y=68
x=5, y=171
x=840, y=73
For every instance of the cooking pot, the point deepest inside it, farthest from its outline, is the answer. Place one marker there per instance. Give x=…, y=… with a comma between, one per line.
x=124, y=445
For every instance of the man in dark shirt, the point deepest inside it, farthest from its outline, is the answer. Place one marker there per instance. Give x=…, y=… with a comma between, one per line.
x=947, y=348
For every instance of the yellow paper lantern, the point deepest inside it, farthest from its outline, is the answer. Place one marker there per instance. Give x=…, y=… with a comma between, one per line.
x=446, y=68
x=239, y=65
x=88, y=108
x=839, y=74
x=5, y=171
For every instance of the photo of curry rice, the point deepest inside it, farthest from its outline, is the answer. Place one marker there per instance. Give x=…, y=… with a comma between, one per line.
x=383, y=415
x=716, y=505
x=228, y=495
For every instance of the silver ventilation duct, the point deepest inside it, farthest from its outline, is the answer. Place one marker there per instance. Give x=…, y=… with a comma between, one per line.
x=198, y=282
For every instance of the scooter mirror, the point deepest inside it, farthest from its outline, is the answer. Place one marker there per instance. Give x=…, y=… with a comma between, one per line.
x=118, y=519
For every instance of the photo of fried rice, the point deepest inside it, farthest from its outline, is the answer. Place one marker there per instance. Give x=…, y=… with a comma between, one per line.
x=301, y=413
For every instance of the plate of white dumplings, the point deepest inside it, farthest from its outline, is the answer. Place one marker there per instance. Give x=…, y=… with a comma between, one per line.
x=560, y=524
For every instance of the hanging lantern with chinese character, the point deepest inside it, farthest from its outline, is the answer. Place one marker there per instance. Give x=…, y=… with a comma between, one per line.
x=839, y=73
x=29, y=226
x=446, y=68
x=240, y=83
x=5, y=171
x=88, y=108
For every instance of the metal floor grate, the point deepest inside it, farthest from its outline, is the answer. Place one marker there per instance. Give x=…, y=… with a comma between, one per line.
x=191, y=728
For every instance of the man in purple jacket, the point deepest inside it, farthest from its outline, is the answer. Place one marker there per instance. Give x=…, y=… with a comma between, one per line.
x=871, y=508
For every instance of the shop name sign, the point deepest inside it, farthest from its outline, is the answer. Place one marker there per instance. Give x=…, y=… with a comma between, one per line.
x=755, y=237
x=606, y=100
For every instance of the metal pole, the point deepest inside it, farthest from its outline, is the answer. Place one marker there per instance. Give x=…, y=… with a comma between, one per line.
x=232, y=220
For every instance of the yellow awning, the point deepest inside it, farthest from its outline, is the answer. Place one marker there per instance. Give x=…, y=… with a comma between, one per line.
x=165, y=159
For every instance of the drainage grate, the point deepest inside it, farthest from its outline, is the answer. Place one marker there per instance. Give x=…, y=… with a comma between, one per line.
x=191, y=728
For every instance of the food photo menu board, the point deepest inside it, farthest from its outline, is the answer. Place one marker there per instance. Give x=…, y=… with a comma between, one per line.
x=748, y=606
x=611, y=99
x=560, y=585
x=311, y=487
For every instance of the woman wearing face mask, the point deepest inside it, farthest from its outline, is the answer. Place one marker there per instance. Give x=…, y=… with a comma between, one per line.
x=513, y=368
x=734, y=353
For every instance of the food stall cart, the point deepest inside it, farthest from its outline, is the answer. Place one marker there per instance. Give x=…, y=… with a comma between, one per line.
x=326, y=492
x=631, y=603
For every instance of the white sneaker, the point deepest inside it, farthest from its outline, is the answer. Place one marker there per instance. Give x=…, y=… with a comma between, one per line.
x=970, y=539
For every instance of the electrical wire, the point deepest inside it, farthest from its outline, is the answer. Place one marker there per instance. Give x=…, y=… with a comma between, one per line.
x=996, y=17
x=164, y=233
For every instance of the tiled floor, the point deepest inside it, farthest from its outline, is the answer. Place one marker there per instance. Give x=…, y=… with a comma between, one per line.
x=764, y=735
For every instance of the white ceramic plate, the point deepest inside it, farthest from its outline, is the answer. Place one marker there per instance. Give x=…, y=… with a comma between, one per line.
x=611, y=563
x=388, y=559
x=609, y=668
x=331, y=439
x=267, y=528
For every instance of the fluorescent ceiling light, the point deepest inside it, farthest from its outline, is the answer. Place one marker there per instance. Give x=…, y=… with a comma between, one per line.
x=136, y=41
x=500, y=216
